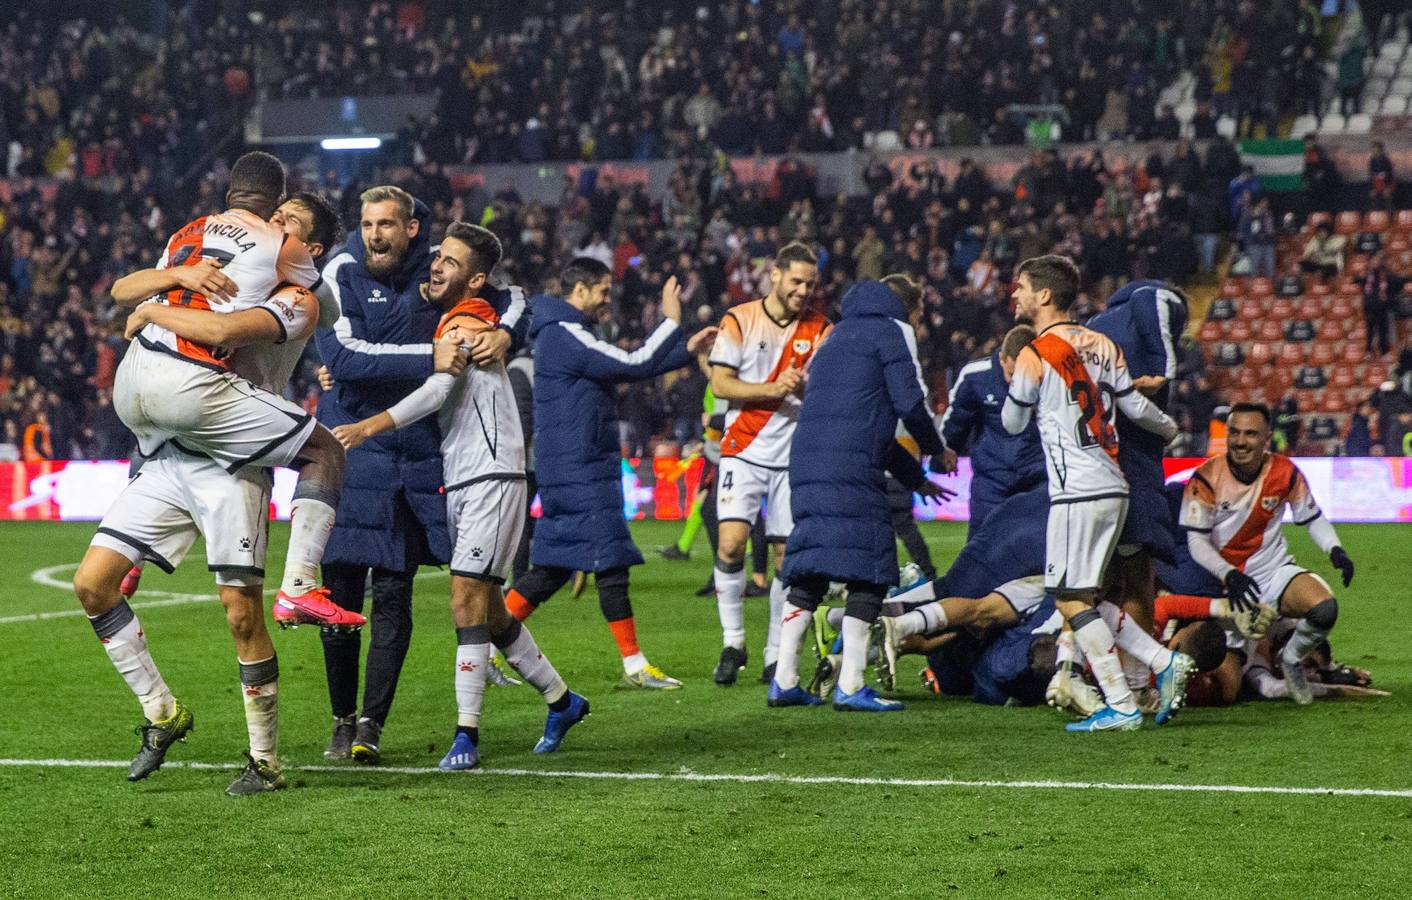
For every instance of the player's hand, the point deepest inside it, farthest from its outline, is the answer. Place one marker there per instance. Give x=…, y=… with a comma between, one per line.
x=206, y=278
x=1340, y=561
x=325, y=377
x=489, y=347
x=702, y=341
x=790, y=381
x=1147, y=385
x=931, y=492
x=944, y=463
x=136, y=321
x=351, y=436
x=1242, y=591
x=671, y=300
x=446, y=356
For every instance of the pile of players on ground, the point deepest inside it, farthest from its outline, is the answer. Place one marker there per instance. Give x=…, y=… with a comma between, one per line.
x=421, y=425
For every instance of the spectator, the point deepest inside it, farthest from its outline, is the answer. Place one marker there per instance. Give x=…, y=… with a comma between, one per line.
x=1359, y=440
x=1323, y=252
x=1382, y=183
x=1257, y=237
x=1380, y=290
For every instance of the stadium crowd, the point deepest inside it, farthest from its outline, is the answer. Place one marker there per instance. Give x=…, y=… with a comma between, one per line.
x=115, y=135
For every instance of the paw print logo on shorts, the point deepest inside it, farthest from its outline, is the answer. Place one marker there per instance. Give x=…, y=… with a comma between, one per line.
x=477, y=553
x=245, y=544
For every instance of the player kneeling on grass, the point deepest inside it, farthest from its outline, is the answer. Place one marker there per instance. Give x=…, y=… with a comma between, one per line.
x=864, y=379
x=1232, y=512
x=483, y=450
x=177, y=495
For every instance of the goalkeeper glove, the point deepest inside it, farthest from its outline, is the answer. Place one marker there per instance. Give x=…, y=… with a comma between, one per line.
x=1340, y=560
x=1242, y=591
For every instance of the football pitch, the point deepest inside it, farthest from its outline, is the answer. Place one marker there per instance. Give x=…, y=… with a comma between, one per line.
x=698, y=793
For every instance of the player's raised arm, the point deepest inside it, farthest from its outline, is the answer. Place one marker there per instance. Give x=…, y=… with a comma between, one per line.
x=350, y=356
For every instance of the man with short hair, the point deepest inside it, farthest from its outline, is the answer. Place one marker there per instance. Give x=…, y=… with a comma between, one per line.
x=483, y=449
x=176, y=495
x=392, y=517
x=1002, y=464
x=1232, y=512
x=1072, y=375
x=758, y=365
x=577, y=457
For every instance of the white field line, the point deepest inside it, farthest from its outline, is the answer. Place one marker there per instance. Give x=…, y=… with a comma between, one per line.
x=60, y=578
x=703, y=777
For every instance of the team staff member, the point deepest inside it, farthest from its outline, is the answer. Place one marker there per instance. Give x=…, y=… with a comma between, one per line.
x=392, y=516
x=577, y=458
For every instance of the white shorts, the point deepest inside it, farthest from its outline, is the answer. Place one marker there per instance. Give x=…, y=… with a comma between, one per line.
x=1023, y=594
x=1080, y=538
x=486, y=518
x=740, y=486
x=1273, y=587
x=216, y=414
x=174, y=498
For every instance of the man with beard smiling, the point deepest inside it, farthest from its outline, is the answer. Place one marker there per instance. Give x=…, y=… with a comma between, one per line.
x=394, y=516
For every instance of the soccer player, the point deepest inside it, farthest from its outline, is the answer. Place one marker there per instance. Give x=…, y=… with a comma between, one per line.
x=177, y=495
x=1072, y=375
x=577, y=458
x=758, y=365
x=171, y=388
x=1232, y=510
x=1002, y=464
x=1145, y=319
x=483, y=450
x=864, y=380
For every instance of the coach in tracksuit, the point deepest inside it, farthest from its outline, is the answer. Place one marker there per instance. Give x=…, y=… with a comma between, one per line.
x=1002, y=464
x=391, y=516
x=578, y=461
x=861, y=382
x=1145, y=319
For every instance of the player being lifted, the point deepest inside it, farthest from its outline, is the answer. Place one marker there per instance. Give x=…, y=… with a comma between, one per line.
x=757, y=365
x=178, y=495
x=1232, y=510
x=1075, y=377
x=483, y=448
x=171, y=388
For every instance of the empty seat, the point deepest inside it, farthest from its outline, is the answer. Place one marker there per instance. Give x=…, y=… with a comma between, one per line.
x=1250, y=309
x=1342, y=376
x=1304, y=125
x=1359, y=123
x=1239, y=331
x=1350, y=354
x=1270, y=330
x=1210, y=331
x=1282, y=308
x=1261, y=353
x=1332, y=402
x=1291, y=354
x=1341, y=309
x=1235, y=287
x=1261, y=287
x=1348, y=222
x=1332, y=124
x=1393, y=105
x=1311, y=308
x=1376, y=220
x=1321, y=353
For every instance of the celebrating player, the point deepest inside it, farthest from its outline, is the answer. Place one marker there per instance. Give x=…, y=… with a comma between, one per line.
x=171, y=388
x=178, y=495
x=1232, y=510
x=1072, y=375
x=757, y=365
x=483, y=450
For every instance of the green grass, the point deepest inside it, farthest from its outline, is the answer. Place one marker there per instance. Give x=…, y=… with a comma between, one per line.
x=87, y=832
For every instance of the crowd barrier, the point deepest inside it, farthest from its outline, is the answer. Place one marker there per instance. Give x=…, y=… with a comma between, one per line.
x=1349, y=489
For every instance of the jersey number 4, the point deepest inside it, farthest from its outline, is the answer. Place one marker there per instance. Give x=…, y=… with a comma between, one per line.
x=1095, y=413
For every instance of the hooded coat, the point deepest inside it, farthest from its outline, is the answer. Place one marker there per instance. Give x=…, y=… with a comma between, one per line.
x=391, y=514
x=577, y=458
x=862, y=381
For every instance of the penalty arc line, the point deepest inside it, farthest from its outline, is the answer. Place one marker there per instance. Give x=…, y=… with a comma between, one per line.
x=764, y=778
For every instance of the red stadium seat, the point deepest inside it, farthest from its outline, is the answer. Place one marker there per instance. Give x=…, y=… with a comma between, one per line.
x=1220, y=377
x=1342, y=310
x=1376, y=220
x=1341, y=376
x=1261, y=353
x=1403, y=220
x=1350, y=287
x=1250, y=309
x=1309, y=308
x=1233, y=288
x=1261, y=287
x=1210, y=332
x=1248, y=379
x=1282, y=308
x=1350, y=353
x=1319, y=289
x=1348, y=222
x=1332, y=402
x=1316, y=219
x=1330, y=331
x=1291, y=354
x=1358, y=334
x=1323, y=353
x=1357, y=265
x=1239, y=331
x=1279, y=380
x=1270, y=330
x=1397, y=243
x=1376, y=373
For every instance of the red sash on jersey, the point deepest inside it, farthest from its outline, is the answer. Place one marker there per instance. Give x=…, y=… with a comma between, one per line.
x=746, y=426
x=469, y=306
x=1061, y=357
x=1279, y=477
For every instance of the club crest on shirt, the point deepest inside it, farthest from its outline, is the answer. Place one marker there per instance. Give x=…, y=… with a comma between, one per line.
x=802, y=345
x=1269, y=503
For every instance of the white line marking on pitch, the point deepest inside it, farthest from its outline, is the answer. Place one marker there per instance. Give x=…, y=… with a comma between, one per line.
x=762, y=779
x=48, y=577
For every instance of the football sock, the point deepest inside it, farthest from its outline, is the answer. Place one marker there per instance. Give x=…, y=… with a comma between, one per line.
x=922, y=620
x=919, y=594
x=518, y=606
x=259, y=686
x=730, y=602
x=310, y=522
x=1144, y=655
x=778, y=595
x=855, y=654
x=635, y=663
x=1093, y=637
x=470, y=731
x=625, y=635
x=525, y=657
x=1067, y=656
x=793, y=626
x=1305, y=638
x=692, y=526
x=126, y=645
x=472, y=657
